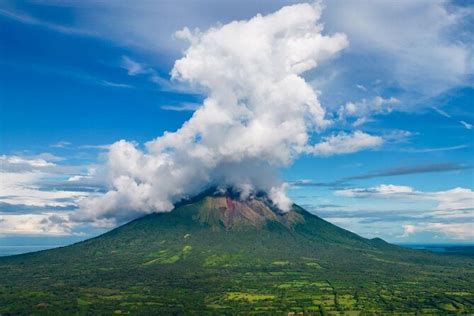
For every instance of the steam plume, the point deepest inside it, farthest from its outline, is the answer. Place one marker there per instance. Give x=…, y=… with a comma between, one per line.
x=257, y=117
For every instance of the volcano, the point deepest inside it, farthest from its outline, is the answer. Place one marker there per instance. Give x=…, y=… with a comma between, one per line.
x=218, y=254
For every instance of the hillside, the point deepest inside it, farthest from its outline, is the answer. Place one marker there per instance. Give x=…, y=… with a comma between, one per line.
x=219, y=255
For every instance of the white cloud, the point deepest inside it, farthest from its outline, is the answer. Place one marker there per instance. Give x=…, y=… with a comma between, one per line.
x=449, y=200
x=17, y=160
x=436, y=149
x=61, y=144
x=382, y=190
x=361, y=87
x=91, y=172
x=456, y=231
x=44, y=162
x=181, y=107
x=133, y=68
x=106, y=83
x=421, y=214
x=460, y=231
x=49, y=157
x=48, y=224
x=38, y=183
x=441, y=112
x=362, y=110
x=343, y=143
x=22, y=189
x=425, y=61
x=454, y=199
x=466, y=125
x=257, y=117
x=388, y=46
x=408, y=230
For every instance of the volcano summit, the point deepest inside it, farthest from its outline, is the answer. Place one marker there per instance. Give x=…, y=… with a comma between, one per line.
x=217, y=254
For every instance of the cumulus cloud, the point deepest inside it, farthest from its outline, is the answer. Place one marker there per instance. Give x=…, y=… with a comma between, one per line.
x=364, y=109
x=344, y=143
x=258, y=116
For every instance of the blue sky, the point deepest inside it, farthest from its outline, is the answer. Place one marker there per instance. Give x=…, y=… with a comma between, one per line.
x=77, y=77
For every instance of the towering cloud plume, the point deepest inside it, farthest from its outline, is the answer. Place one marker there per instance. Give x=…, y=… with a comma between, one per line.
x=258, y=116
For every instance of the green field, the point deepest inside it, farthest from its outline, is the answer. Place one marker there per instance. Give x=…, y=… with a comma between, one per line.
x=192, y=261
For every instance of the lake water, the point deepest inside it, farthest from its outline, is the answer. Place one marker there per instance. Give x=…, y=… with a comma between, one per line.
x=450, y=249
x=15, y=250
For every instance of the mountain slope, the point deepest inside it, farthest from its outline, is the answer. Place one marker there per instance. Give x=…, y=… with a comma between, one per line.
x=219, y=255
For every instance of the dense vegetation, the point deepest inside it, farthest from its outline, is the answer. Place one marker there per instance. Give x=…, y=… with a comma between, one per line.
x=209, y=257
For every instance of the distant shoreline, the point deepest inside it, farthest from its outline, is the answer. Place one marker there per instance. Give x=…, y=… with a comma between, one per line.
x=450, y=249
x=21, y=249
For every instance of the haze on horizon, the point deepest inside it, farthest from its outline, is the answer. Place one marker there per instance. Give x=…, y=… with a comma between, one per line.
x=364, y=119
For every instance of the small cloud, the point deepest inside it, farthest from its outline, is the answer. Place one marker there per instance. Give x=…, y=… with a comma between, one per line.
x=49, y=157
x=17, y=160
x=361, y=121
x=115, y=84
x=362, y=110
x=466, y=125
x=361, y=87
x=61, y=144
x=344, y=143
x=133, y=68
x=77, y=178
x=441, y=112
x=436, y=149
x=181, y=107
x=397, y=136
x=408, y=230
x=379, y=191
